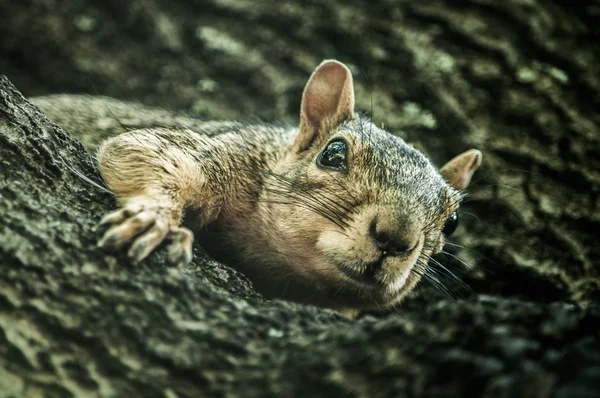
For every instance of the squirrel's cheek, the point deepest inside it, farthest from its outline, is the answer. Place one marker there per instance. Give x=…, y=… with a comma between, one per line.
x=331, y=240
x=344, y=246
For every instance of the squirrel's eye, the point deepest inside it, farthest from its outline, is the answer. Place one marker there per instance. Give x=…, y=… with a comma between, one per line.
x=334, y=156
x=451, y=224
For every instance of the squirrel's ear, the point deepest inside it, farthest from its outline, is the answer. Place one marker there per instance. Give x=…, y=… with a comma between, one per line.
x=458, y=171
x=328, y=100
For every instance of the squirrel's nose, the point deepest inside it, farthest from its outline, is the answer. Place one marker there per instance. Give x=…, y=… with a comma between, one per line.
x=393, y=242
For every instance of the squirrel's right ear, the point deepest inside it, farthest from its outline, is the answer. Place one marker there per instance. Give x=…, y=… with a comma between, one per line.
x=327, y=101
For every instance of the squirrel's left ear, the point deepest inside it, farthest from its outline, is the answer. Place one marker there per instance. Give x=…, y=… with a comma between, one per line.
x=458, y=171
x=327, y=101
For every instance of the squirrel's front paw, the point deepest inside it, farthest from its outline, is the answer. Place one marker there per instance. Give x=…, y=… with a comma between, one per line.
x=143, y=227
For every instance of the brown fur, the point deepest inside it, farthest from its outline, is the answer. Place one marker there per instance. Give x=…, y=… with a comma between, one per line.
x=349, y=238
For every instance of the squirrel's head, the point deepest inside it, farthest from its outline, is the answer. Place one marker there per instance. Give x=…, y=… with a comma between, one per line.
x=355, y=210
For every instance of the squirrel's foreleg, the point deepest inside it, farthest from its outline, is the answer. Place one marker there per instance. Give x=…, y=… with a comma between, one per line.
x=155, y=176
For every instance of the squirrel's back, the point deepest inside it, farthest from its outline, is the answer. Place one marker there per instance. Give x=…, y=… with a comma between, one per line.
x=93, y=119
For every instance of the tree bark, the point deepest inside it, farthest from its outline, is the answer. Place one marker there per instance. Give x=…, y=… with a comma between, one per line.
x=518, y=80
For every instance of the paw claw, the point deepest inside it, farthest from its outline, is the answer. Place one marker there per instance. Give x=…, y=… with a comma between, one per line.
x=137, y=250
x=180, y=247
x=108, y=241
x=141, y=225
x=121, y=234
x=109, y=220
x=148, y=241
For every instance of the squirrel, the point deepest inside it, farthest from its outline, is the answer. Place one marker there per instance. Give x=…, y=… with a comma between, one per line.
x=336, y=212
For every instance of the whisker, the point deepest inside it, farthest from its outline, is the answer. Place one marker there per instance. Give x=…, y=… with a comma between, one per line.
x=449, y=273
x=458, y=259
x=435, y=282
x=85, y=178
x=471, y=251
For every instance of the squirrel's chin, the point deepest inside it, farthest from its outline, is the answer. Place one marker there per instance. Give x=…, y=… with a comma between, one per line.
x=385, y=288
x=388, y=282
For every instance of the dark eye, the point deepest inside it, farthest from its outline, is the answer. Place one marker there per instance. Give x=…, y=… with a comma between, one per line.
x=334, y=156
x=451, y=224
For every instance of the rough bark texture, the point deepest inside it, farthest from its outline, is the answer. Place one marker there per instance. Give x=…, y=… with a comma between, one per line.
x=517, y=79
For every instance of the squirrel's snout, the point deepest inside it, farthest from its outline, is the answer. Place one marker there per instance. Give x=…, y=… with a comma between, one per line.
x=392, y=239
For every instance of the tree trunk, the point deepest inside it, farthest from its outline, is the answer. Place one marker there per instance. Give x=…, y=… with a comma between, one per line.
x=518, y=80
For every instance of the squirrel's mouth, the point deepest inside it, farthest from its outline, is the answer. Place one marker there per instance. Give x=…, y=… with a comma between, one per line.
x=367, y=276
x=375, y=276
